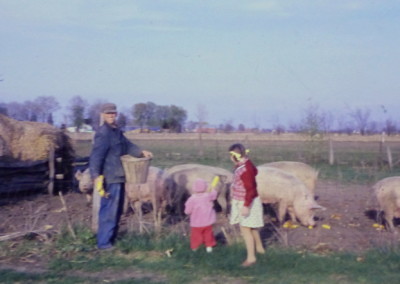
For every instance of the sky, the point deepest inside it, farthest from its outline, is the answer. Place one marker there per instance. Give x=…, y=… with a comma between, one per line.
x=259, y=63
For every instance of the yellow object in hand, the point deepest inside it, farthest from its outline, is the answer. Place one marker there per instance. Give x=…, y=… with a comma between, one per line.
x=215, y=182
x=100, y=186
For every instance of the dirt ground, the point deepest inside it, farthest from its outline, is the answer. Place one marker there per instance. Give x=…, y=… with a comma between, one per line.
x=350, y=216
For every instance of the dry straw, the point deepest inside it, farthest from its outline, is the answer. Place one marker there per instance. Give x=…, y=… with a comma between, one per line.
x=28, y=141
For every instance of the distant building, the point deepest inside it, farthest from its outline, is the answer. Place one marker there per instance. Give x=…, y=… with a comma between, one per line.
x=209, y=130
x=136, y=129
x=83, y=128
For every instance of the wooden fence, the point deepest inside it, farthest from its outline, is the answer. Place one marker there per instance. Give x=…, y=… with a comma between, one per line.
x=34, y=176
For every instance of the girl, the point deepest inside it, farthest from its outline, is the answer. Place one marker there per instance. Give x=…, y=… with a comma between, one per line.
x=246, y=210
x=200, y=208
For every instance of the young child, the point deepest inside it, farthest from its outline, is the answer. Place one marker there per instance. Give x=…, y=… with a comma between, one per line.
x=200, y=208
x=246, y=207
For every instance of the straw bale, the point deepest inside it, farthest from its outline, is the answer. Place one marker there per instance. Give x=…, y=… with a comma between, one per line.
x=27, y=140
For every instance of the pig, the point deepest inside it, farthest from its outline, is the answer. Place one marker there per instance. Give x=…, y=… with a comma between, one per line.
x=276, y=186
x=307, y=174
x=216, y=170
x=152, y=191
x=180, y=180
x=135, y=194
x=387, y=192
x=85, y=183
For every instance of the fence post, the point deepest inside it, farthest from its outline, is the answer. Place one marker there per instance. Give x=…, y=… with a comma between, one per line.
x=389, y=157
x=201, y=146
x=381, y=144
x=331, y=153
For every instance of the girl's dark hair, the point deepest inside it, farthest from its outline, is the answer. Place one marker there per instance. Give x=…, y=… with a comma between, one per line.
x=239, y=147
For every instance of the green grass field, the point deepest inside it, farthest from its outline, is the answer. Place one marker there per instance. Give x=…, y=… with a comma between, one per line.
x=360, y=162
x=76, y=261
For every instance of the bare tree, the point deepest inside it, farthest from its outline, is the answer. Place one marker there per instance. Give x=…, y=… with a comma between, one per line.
x=312, y=125
x=327, y=121
x=390, y=127
x=40, y=109
x=201, y=115
x=313, y=121
x=20, y=111
x=44, y=107
x=361, y=119
x=372, y=127
x=278, y=127
x=344, y=125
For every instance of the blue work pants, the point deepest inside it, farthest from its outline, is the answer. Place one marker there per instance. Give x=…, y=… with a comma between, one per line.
x=109, y=215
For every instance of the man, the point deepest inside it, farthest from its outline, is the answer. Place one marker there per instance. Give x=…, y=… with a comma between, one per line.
x=109, y=145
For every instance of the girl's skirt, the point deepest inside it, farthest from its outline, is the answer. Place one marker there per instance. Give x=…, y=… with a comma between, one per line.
x=255, y=218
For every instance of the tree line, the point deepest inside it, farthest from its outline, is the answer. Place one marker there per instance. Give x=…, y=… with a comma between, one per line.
x=173, y=118
x=80, y=112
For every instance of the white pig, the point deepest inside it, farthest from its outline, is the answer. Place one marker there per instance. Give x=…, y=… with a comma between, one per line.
x=180, y=181
x=291, y=195
x=307, y=174
x=85, y=183
x=152, y=191
x=387, y=192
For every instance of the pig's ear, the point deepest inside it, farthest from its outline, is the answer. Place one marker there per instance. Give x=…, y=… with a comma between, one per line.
x=78, y=174
x=316, y=206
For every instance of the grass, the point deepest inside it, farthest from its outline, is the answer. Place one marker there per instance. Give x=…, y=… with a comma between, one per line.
x=147, y=253
x=359, y=162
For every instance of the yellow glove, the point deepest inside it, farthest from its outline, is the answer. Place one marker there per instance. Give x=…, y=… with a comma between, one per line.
x=100, y=186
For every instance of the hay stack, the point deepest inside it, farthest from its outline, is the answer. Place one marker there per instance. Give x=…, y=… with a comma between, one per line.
x=29, y=141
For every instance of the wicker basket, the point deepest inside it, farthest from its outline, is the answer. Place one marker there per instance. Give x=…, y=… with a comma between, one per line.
x=136, y=169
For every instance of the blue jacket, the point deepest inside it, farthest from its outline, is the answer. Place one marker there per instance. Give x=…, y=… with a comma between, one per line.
x=109, y=145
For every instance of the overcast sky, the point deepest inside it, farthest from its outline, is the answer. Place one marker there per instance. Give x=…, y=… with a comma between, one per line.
x=251, y=62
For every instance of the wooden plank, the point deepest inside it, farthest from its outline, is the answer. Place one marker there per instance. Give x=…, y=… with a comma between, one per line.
x=52, y=172
x=4, y=172
x=21, y=164
x=14, y=188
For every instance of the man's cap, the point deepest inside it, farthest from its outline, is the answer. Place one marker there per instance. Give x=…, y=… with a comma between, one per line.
x=108, y=108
